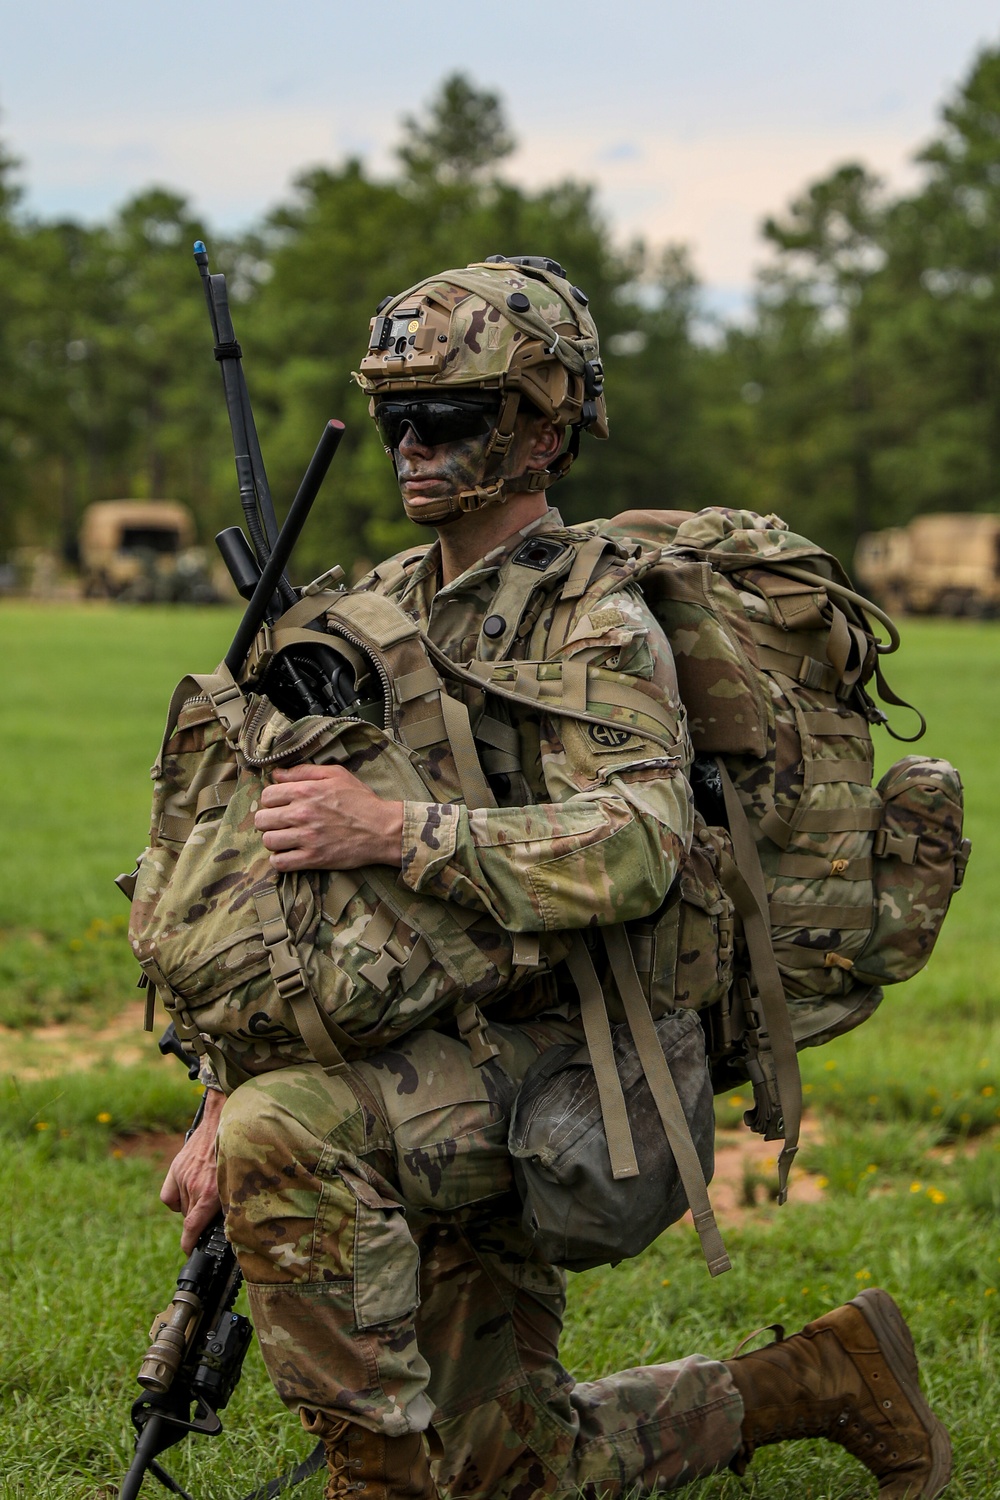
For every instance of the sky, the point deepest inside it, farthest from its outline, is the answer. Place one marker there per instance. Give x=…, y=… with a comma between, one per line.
x=694, y=118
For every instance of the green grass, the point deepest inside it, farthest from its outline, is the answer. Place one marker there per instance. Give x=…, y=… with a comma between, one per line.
x=87, y=1256
x=909, y=1107
x=86, y=692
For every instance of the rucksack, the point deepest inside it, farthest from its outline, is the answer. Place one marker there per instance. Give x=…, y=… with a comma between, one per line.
x=808, y=888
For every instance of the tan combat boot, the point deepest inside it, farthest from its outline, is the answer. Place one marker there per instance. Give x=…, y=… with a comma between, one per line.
x=850, y=1376
x=377, y=1467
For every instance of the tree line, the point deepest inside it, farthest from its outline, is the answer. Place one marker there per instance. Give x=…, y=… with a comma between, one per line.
x=862, y=388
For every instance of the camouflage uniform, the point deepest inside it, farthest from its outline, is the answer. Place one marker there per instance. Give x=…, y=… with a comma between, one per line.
x=376, y=1222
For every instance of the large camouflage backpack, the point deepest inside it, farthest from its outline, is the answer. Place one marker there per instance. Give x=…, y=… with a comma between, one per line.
x=260, y=970
x=808, y=888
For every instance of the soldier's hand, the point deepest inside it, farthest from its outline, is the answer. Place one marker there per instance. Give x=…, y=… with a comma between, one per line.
x=191, y=1187
x=323, y=818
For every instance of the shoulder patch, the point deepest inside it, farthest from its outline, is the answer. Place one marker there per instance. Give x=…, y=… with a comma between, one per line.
x=609, y=736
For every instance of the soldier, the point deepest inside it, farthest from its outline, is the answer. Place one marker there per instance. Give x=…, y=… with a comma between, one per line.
x=401, y=1308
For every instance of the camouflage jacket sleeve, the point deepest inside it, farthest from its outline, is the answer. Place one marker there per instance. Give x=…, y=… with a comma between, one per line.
x=603, y=842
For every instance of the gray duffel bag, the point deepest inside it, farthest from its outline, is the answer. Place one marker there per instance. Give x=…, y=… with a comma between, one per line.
x=577, y=1212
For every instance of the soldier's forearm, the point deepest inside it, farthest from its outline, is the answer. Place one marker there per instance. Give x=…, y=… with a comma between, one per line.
x=552, y=866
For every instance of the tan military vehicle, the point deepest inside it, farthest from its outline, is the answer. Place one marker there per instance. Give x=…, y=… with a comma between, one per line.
x=946, y=564
x=143, y=551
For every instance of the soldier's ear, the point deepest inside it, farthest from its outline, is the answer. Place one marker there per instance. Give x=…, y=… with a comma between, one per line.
x=546, y=440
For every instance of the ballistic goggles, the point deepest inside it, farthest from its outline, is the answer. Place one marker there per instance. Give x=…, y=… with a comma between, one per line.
x=435, y=419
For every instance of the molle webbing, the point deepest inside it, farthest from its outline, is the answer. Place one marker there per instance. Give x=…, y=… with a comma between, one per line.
x=821, y=820
x=324, y=1038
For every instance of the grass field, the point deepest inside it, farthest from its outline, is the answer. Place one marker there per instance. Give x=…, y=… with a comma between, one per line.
x=909, y=1109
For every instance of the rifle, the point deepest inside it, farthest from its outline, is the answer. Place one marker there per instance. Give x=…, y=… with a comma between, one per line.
x=305, y=678
x=194, y=1362
x=198, y=1343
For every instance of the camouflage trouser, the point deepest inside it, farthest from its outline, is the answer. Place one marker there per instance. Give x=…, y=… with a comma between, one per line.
x=390, y=1281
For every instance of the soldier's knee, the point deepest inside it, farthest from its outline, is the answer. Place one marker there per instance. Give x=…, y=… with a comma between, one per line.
x=250, y=1119
x=286, y=1113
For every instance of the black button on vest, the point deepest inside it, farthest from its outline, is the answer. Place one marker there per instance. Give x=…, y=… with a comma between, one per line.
x=494, y=626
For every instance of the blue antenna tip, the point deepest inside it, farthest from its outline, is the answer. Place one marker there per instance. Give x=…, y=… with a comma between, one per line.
x=199, y=247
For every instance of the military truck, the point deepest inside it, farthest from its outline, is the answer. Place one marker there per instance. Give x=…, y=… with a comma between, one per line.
x=947, y=564
x=143, y=551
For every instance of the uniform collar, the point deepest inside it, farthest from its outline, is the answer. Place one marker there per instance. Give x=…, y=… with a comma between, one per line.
x=422, y=586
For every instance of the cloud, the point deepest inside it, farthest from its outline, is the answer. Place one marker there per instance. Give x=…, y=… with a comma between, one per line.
x=709, y=191
x=712, y=192
x=623, y=151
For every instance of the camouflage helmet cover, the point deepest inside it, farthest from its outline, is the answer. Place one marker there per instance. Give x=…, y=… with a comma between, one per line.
x=517, y=327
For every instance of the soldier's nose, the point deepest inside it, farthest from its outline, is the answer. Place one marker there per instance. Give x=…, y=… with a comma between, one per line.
x=410, y=444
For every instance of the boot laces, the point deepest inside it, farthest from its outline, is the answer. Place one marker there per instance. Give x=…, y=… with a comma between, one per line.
x=340, y=1462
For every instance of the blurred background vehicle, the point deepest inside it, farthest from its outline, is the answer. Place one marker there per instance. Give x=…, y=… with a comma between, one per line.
x=947, y=564
x=142, y=551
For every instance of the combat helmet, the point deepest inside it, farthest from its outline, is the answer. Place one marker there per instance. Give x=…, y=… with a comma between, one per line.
x=511, y=327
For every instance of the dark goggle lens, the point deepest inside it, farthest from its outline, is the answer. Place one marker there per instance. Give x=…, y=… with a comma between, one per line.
x=434, y=422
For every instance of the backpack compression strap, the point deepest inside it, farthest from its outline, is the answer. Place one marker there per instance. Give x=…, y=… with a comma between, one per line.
x=665, y=1097
x=614, y=1110
x=744, y=883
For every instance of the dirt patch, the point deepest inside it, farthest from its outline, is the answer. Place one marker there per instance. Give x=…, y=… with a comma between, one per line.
x=745, y=1184
x=49, y=1050
x=160, y=1146
x=964, y=1150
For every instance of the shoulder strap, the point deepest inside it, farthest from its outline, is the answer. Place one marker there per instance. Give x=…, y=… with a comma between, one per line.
x=576, y=585
x=221, y=690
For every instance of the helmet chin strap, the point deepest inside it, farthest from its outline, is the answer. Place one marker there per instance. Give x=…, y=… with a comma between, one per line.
x=447, y=507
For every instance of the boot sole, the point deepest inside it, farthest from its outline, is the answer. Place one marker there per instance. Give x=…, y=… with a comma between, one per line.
x=889, y=1327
